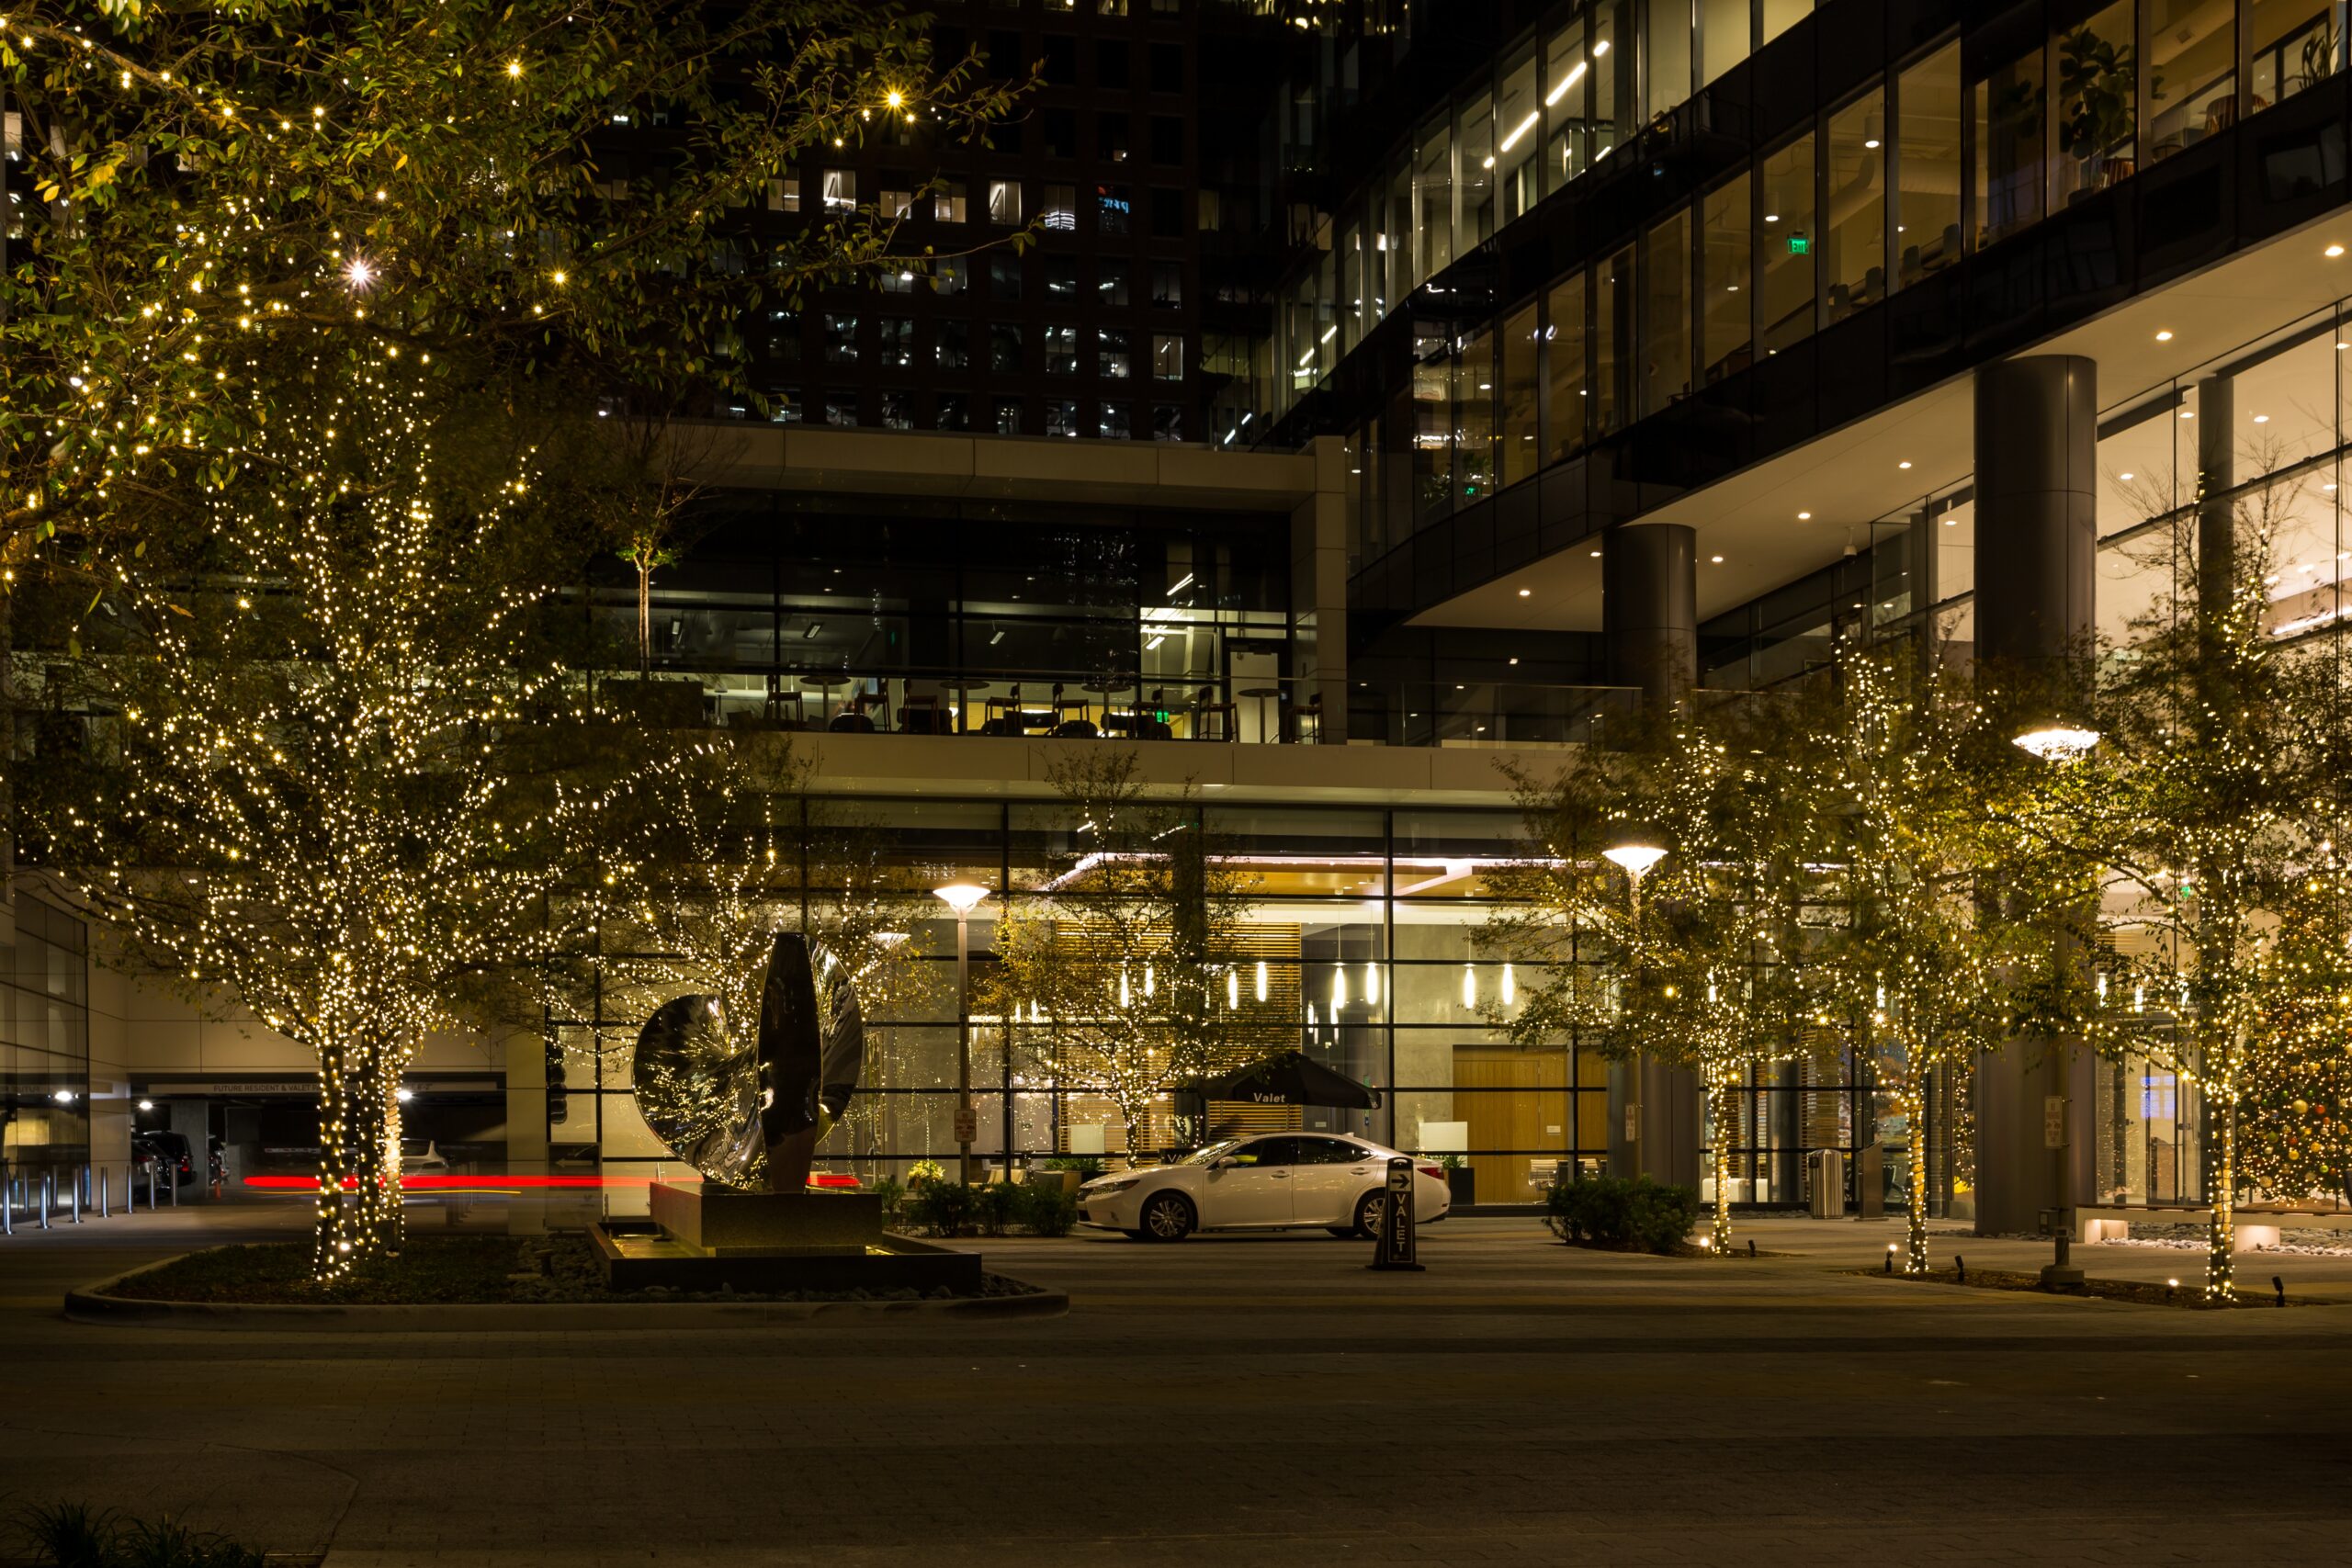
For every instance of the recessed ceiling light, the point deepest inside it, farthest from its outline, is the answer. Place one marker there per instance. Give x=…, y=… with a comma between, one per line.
x=1804, y=516
x=2124, y=476
x=2164, y=337
x=1596, y=555
x=2262, y=419
x=2333, y=251
x=1903, y=464
x=1525, y=592
x=1717, y=559
x=1514, y=658
x=1952, y=522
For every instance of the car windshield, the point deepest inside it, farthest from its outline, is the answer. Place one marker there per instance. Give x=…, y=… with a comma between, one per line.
x=1203, y=1157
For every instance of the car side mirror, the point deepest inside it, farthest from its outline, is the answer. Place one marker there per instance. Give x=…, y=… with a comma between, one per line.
x=1223, y=1162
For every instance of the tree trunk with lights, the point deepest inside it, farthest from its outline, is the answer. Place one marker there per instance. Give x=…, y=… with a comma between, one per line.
x=2222, y=1197
x=1722, y=1090
x=1912, y=1097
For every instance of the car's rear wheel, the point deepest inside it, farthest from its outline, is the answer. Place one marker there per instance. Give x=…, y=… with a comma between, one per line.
x=1168, y=1216
x=1368, y=1213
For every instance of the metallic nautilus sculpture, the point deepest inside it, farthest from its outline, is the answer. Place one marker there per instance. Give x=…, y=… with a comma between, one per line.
x=750, y=1112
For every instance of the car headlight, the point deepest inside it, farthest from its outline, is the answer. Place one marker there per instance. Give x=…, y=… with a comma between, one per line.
x=1104, y=1188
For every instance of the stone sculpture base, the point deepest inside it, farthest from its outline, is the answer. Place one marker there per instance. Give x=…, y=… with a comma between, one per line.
x=706, y=1238
x=728, y=1220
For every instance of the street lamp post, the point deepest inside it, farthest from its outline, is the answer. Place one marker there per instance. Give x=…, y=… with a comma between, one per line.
x=961, y=896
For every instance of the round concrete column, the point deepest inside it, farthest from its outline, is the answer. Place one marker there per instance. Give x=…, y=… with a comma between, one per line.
x=2037, y=508
x=2037, y=552
x=1650, y=608
x=1649, y=616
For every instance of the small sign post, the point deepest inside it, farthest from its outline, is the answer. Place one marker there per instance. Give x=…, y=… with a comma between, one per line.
x=1392, y=1241
x=968, y=1123
x=2053, y=1121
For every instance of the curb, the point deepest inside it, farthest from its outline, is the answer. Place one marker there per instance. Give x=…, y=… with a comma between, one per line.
x=86, y=1305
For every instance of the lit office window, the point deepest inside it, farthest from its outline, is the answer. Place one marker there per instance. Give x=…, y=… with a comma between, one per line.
x=1726, y=280
x=1723, y=36
x=1004, y=202
x=1666, y=32
x=2193, y=88
x=2008, y=110
x=1666, y=319
x=1521, y=444
x=1113, y=356
x=2297, y=44
x=1519, y=138
x=1853, y=265
x=841, y=189
x=1564, y=353
x=2098, y=116
x=1614, y=300
x=1927, y=167
x=783, y=194
x=1785, y=236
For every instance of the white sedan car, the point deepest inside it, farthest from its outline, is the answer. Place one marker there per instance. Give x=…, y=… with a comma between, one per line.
x=1277, y=1183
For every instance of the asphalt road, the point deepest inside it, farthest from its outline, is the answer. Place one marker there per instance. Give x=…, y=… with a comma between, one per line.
x=1257, y=1400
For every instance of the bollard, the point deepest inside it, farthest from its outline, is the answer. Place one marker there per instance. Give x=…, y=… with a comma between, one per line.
x=1394, y=1244
x=7, y=1202
x=103, y=1194
x=73, y=1197
x=47, y=1195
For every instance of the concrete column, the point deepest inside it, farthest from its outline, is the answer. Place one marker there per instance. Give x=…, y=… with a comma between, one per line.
x=1649, y=613
x=193, y=1118
x=2037, y=508
x=2037, y=539
x=1650, y=608
x=1319, y=589
x=2217, y=549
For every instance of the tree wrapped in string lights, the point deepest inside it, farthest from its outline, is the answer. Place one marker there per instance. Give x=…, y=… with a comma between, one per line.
x=331, y=766
x=570, y=192
x=1663, y=920
x=2296, y=1133
x=2200, y=814
x=1127, y=975
x=1906, y=948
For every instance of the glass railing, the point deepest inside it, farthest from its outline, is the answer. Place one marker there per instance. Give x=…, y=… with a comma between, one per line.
x=1240, y=708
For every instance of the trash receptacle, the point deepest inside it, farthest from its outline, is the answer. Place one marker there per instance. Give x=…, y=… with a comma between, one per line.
x=1826, y=1169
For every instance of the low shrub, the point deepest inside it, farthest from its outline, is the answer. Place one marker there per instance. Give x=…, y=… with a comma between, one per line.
x=70, y=1535
x=942, y=1208
x=893, y=1197
x=1628, y=1216
x=1088, y=1167
x=1048, y=1210
x=997, y=1205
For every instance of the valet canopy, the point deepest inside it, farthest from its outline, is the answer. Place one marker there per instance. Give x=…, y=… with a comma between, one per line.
x=1288, y=1079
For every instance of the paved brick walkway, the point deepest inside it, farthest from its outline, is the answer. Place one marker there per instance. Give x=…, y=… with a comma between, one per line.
x=1251, y=1401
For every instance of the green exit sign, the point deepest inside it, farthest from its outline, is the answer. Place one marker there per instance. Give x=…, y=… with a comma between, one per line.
x=1799, y=245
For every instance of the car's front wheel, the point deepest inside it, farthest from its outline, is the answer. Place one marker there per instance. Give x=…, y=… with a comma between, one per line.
x=1168, y=1216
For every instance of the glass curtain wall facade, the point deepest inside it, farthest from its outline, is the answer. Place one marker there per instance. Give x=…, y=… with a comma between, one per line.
x=1948, y=154
x=1557, y=103
x=44, y=1040
x=2265, y=430
x=1366, y=921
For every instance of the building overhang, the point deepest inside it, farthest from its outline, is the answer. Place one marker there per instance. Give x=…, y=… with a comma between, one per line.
x=1876, y=468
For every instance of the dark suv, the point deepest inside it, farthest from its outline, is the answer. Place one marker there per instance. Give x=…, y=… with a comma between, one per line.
x=170, y=1151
